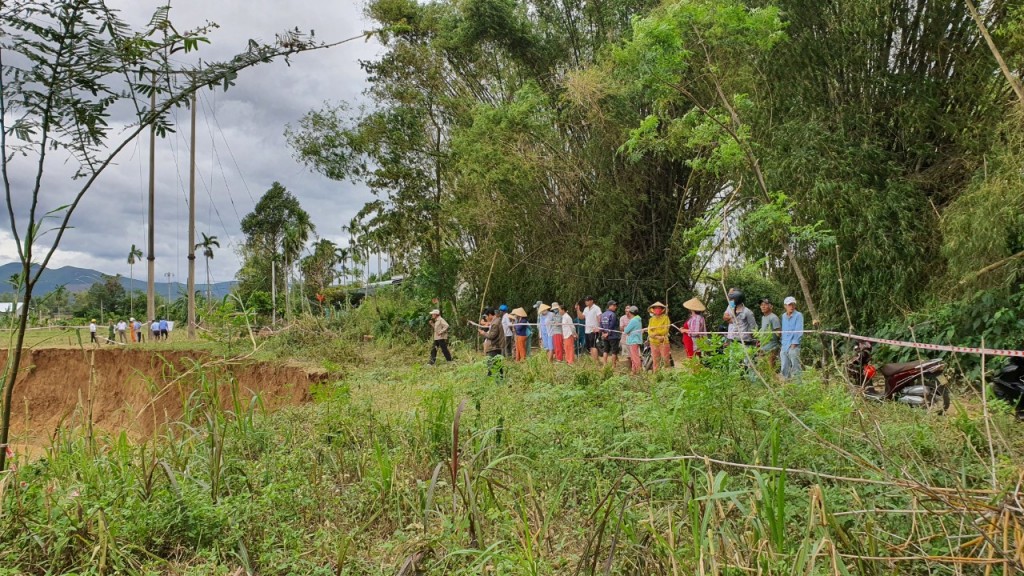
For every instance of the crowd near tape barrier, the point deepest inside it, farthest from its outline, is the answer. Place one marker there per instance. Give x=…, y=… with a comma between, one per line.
x=887, y=341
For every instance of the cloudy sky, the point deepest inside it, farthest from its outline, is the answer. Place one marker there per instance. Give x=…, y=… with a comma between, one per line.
x=240, y=147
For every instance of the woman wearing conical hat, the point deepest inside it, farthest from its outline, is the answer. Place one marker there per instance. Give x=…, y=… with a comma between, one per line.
x=657, y=335
x=521, y=332
x=695, y=328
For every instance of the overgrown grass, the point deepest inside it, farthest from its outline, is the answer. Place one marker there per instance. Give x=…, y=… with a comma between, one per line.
x=555, y=470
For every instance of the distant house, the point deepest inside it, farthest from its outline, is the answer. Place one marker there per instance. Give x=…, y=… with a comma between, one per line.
x=6, y=307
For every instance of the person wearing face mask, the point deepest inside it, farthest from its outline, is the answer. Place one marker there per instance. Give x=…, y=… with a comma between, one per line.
x=657, y=335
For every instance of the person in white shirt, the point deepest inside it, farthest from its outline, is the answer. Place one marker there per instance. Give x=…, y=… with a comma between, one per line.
x=592, y=325
x=122, y=327
x=92, y=331
x=569, y=337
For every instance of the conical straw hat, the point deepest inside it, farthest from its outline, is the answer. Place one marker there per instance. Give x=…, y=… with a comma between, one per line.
x=657, y=305
x=694, y=304
x=519, y=312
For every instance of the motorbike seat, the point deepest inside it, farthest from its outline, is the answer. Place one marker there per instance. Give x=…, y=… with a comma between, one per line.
x=891, y=369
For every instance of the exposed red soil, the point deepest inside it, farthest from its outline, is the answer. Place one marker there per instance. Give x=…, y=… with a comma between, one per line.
x=135, y=390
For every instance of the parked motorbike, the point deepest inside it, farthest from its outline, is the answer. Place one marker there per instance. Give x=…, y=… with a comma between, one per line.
x=911, y=383
x=1008, y=385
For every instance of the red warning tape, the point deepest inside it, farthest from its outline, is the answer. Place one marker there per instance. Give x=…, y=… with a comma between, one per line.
x=926, y=346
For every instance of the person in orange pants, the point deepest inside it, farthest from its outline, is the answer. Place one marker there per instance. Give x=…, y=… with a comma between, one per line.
x=555, y=329
x=569, y=337
x=522, y=332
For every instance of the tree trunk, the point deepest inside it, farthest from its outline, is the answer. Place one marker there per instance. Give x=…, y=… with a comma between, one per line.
x=13, y=365
x=209, y=290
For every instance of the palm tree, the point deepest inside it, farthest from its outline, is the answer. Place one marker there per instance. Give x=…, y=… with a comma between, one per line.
x=341, y=255
x=207, y=245
x=134, y=255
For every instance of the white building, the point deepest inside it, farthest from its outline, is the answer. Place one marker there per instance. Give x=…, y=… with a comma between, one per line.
x=6, y=307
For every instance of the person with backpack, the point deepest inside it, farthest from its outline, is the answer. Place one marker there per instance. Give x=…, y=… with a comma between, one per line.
x=611, y=338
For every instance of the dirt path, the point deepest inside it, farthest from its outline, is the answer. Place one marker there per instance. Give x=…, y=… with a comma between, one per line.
x=134, y=390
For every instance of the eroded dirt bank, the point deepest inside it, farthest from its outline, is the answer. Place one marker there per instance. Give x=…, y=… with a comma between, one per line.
x=136, y=390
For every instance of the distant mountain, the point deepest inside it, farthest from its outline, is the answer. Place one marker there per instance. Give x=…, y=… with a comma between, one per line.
x=80, y=279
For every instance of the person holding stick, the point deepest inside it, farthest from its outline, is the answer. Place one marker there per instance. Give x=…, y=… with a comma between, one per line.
x=657, y=335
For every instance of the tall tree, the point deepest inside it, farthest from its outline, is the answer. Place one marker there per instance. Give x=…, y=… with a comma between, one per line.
x=134, y=255
x=266, y=229
x=208, y=243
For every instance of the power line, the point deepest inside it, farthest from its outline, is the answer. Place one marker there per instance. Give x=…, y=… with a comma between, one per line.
x=220, y=164
x=234, y=160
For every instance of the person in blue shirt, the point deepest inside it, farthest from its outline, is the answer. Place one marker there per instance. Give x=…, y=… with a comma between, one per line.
x=792, y=334
x=581, y=329
x=164, y=329
x=522, y=333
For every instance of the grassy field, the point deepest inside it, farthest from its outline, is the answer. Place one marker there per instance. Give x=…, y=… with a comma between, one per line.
x=401, y=468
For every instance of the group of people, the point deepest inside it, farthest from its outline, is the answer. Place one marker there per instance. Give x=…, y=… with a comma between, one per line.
x=131, y=331
x=605, y=334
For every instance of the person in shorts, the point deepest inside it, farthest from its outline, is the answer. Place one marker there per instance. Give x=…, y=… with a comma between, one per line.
x=611, y=338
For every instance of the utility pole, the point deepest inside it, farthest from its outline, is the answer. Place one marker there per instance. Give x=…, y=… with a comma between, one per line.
x=192, y=227
x=151, y=247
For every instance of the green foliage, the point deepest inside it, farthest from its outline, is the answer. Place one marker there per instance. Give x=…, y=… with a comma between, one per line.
x=989, y=317
x=276, y=232
x=360, y=480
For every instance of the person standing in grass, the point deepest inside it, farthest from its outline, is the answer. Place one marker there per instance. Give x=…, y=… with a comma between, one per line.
x=657, y=335
x=729, y=327
x=592, y=326
x=634, y=334
x=154, y=328
x=165, y=329
x=137, y=329
x=494, y=341
x=792, y=335
x=555, y=330
x=121, y=328
x=569, y=336
x=506, y=327
x=695, y=328
x=581, y=329
x=110, y=334
x=611, y=338
x=522, y=333
x=92, y=331
x=440, y=337
x=770, y=328
x=544, y=328
x=743, y=318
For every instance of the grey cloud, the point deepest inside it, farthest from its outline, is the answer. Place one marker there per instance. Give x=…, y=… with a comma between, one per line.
x=243, y=125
